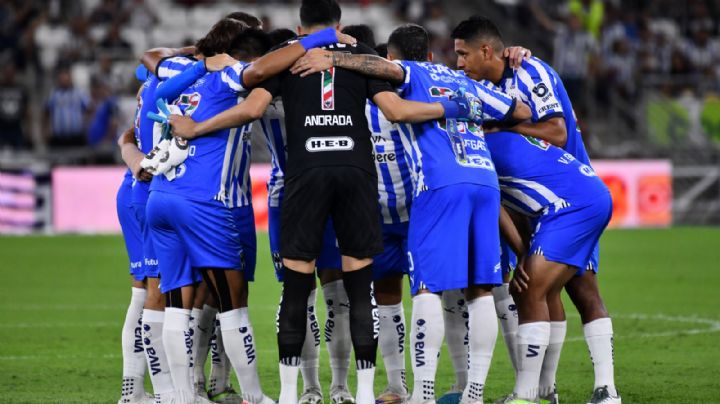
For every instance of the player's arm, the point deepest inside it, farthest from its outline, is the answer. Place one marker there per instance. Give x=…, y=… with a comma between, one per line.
x=252, y=108
x=552, y=130
x=152, y=57
x=281, y=59
x=317, y=60
x=397, y=109
x=131, y=155
x=498, y=106
x=173, y=87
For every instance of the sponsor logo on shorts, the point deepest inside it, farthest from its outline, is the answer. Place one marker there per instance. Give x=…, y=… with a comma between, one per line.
x=332, y=143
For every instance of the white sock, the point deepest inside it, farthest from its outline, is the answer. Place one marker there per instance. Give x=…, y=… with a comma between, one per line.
x=310, y=356
x=483, y=330
x=507, y=313
x=203, y=331
x=288, y=384
x=426, y=336
x=599, y=338
x=153, y=322
x=533, y=339
x=558, y=329
x=337, y=331
x=365, y=382
x=455, y=315
x=237, y=333
x=133, y=352
x=176, y=340
x=220, y=364
x=392, y=344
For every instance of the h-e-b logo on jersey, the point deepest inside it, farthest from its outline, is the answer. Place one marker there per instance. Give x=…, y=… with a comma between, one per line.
x=329, y=143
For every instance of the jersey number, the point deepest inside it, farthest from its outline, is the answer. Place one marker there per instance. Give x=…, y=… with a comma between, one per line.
x=328, y=89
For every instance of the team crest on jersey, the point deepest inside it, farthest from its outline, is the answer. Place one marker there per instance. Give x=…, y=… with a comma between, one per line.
x=436, y=91
x=188, y=103
x=539, y=143
x=463, y=127
x=328, y=89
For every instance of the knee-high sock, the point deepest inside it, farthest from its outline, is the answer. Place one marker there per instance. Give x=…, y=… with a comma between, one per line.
x=599, y=338
x=426, y=336
x=364, y=329
x=239, y=341
x=507, y=313
x=483, y=329
x=552, y=357
x=220, y=364
x=291, y=326
x=153, y=324
x=203, y=332
x=533, y=340
x=337, y=331
x=132, y=347
x=178, y=347
x=310, y=356
x=455, y=315
x=392, y=344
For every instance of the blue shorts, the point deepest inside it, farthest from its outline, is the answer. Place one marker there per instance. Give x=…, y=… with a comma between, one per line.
x=454, y=238
x=245, y=223
x=130, y=229
x=393, y=261
x=570, y=235
x=593, y=264
x=150, y=261
x=508, y=259
x=329, y=254
x=202, y=233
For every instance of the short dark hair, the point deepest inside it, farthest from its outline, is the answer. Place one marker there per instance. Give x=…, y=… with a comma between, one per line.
x=363, y=33
x=249, y=19
x=249, y=44
x=220, y=37
x=478, y=27
x=281, y=35
x=410, y=42
x=381, y=50
x=319, y=12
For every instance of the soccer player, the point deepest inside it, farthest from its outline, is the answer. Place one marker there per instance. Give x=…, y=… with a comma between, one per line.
x=133, y=390
x=569, y=207
x=455, y=182
x=479, y=46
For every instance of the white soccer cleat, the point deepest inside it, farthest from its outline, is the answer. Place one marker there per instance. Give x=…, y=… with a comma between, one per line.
x=341, y=395
x=311, y=396
x=227, y=396
x=601, y=395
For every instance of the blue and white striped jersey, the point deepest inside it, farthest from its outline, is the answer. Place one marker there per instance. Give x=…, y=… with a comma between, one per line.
x=440, y=157
x=217, y=160
x=395, y=184
x=144, y=132
x=272, y=125
x=536, y=176
x=172, y=66
x=539, y=86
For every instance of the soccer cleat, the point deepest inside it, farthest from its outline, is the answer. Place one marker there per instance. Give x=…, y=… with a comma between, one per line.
x=390, y=396
x=311, y=396
x=453, y=396
x=341, y=395
x=513, y=399
x=227, y=396
x=200, y=390
x=267, y=400
x=551, y=398
x=602, y=395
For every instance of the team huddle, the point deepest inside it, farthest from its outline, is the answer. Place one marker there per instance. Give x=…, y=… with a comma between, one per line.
x=474, y=183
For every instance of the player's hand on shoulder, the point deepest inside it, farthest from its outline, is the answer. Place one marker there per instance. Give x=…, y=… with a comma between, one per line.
x=183, y=126
x=315, y=60
x=345, y=38
x=219, y=62
x=516, y=55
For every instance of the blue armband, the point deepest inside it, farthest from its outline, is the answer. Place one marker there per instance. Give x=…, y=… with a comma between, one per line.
x=141, y=73
x=328, y=36
x=172, y=88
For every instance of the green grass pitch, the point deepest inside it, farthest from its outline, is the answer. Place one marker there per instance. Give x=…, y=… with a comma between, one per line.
x=62, y=302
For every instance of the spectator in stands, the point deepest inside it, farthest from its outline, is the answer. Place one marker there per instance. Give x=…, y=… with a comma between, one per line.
x=590, y=13
x=139, y=15
x=14, y=114
x=103, y=123
x=114, y=44
x=436, y=21
x=702, y=53
x=66, y=111
x=104, y=71
x=106, y=12
x=619, y=69
x=79, y=46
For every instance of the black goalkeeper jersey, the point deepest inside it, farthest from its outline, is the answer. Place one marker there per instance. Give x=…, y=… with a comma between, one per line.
x=325, y=115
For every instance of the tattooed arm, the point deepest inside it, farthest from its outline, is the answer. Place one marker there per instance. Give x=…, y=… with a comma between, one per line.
x=318, y=60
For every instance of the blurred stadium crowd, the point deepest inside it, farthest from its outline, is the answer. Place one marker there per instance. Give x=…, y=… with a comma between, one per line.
x=644, y=75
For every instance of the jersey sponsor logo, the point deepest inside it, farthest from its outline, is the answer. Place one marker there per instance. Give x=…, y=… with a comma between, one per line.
x=548, y=107
x=332, y=143
x=540, y=90
x=539, y=143
x=566, y=158
x=587, y=170
x=328, y=120
x=385, y=157
x=328, y=89
x=188, y=103
x=444, y=92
